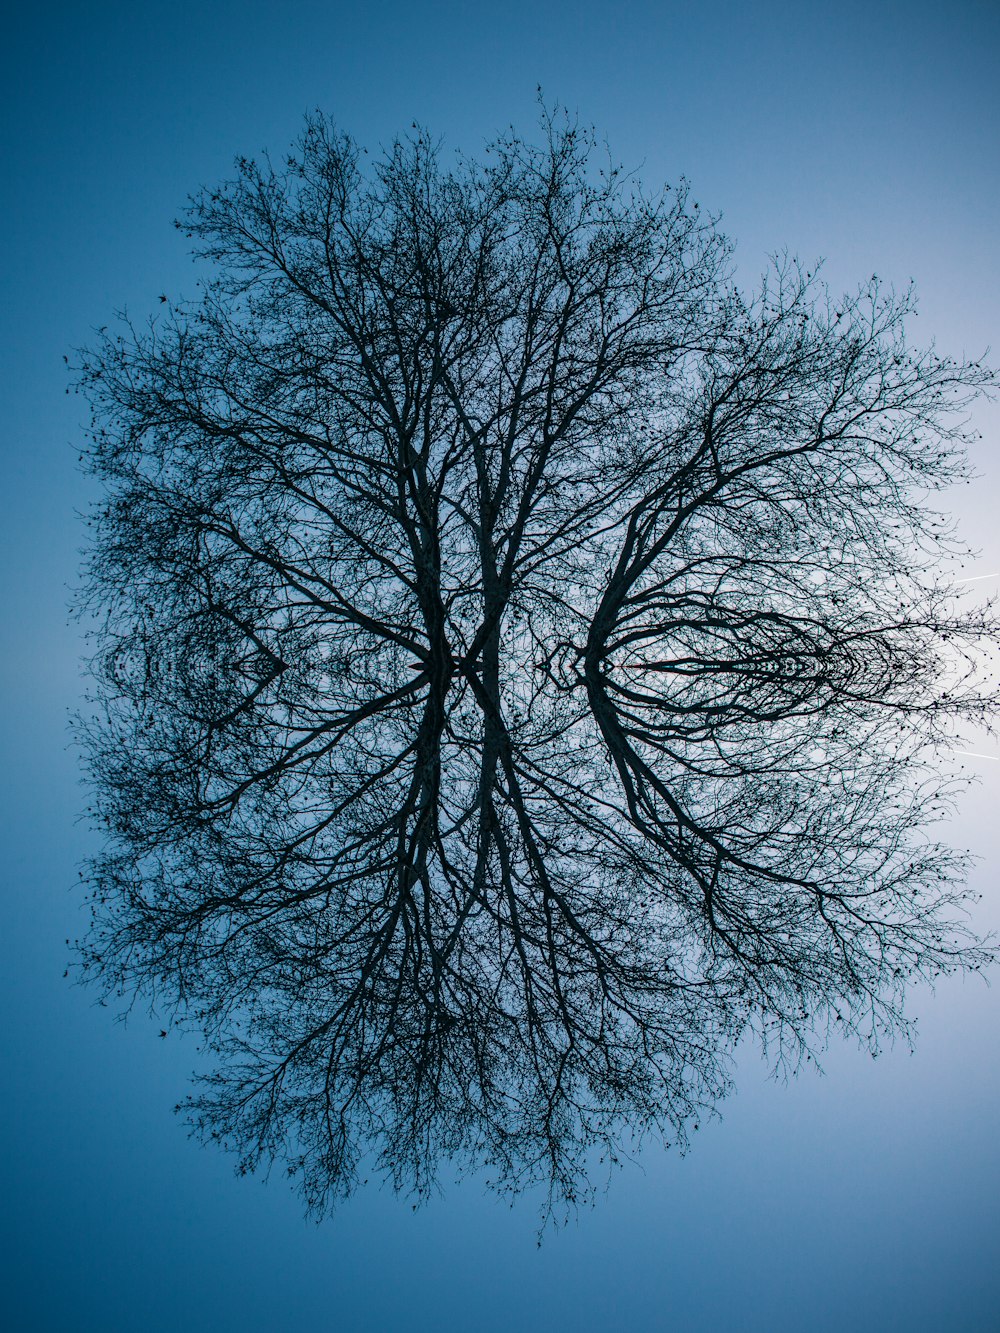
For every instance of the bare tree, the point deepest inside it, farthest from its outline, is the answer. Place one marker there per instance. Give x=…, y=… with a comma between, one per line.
x=521, y=662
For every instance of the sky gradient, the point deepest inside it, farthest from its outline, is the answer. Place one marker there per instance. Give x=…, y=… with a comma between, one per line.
x=865, y=1200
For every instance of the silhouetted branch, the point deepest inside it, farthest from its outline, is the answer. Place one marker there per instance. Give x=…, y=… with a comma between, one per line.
x=522, y=662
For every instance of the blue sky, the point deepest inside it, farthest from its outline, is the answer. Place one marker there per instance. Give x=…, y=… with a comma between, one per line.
x=862, y=1200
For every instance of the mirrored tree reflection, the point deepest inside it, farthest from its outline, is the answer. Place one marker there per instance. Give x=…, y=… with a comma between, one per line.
x=520, y=663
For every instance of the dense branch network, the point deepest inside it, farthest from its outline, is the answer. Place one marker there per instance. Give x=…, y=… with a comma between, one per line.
x=521, y=661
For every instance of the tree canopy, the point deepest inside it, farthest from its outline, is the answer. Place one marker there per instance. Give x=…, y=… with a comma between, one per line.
x=521, y=664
